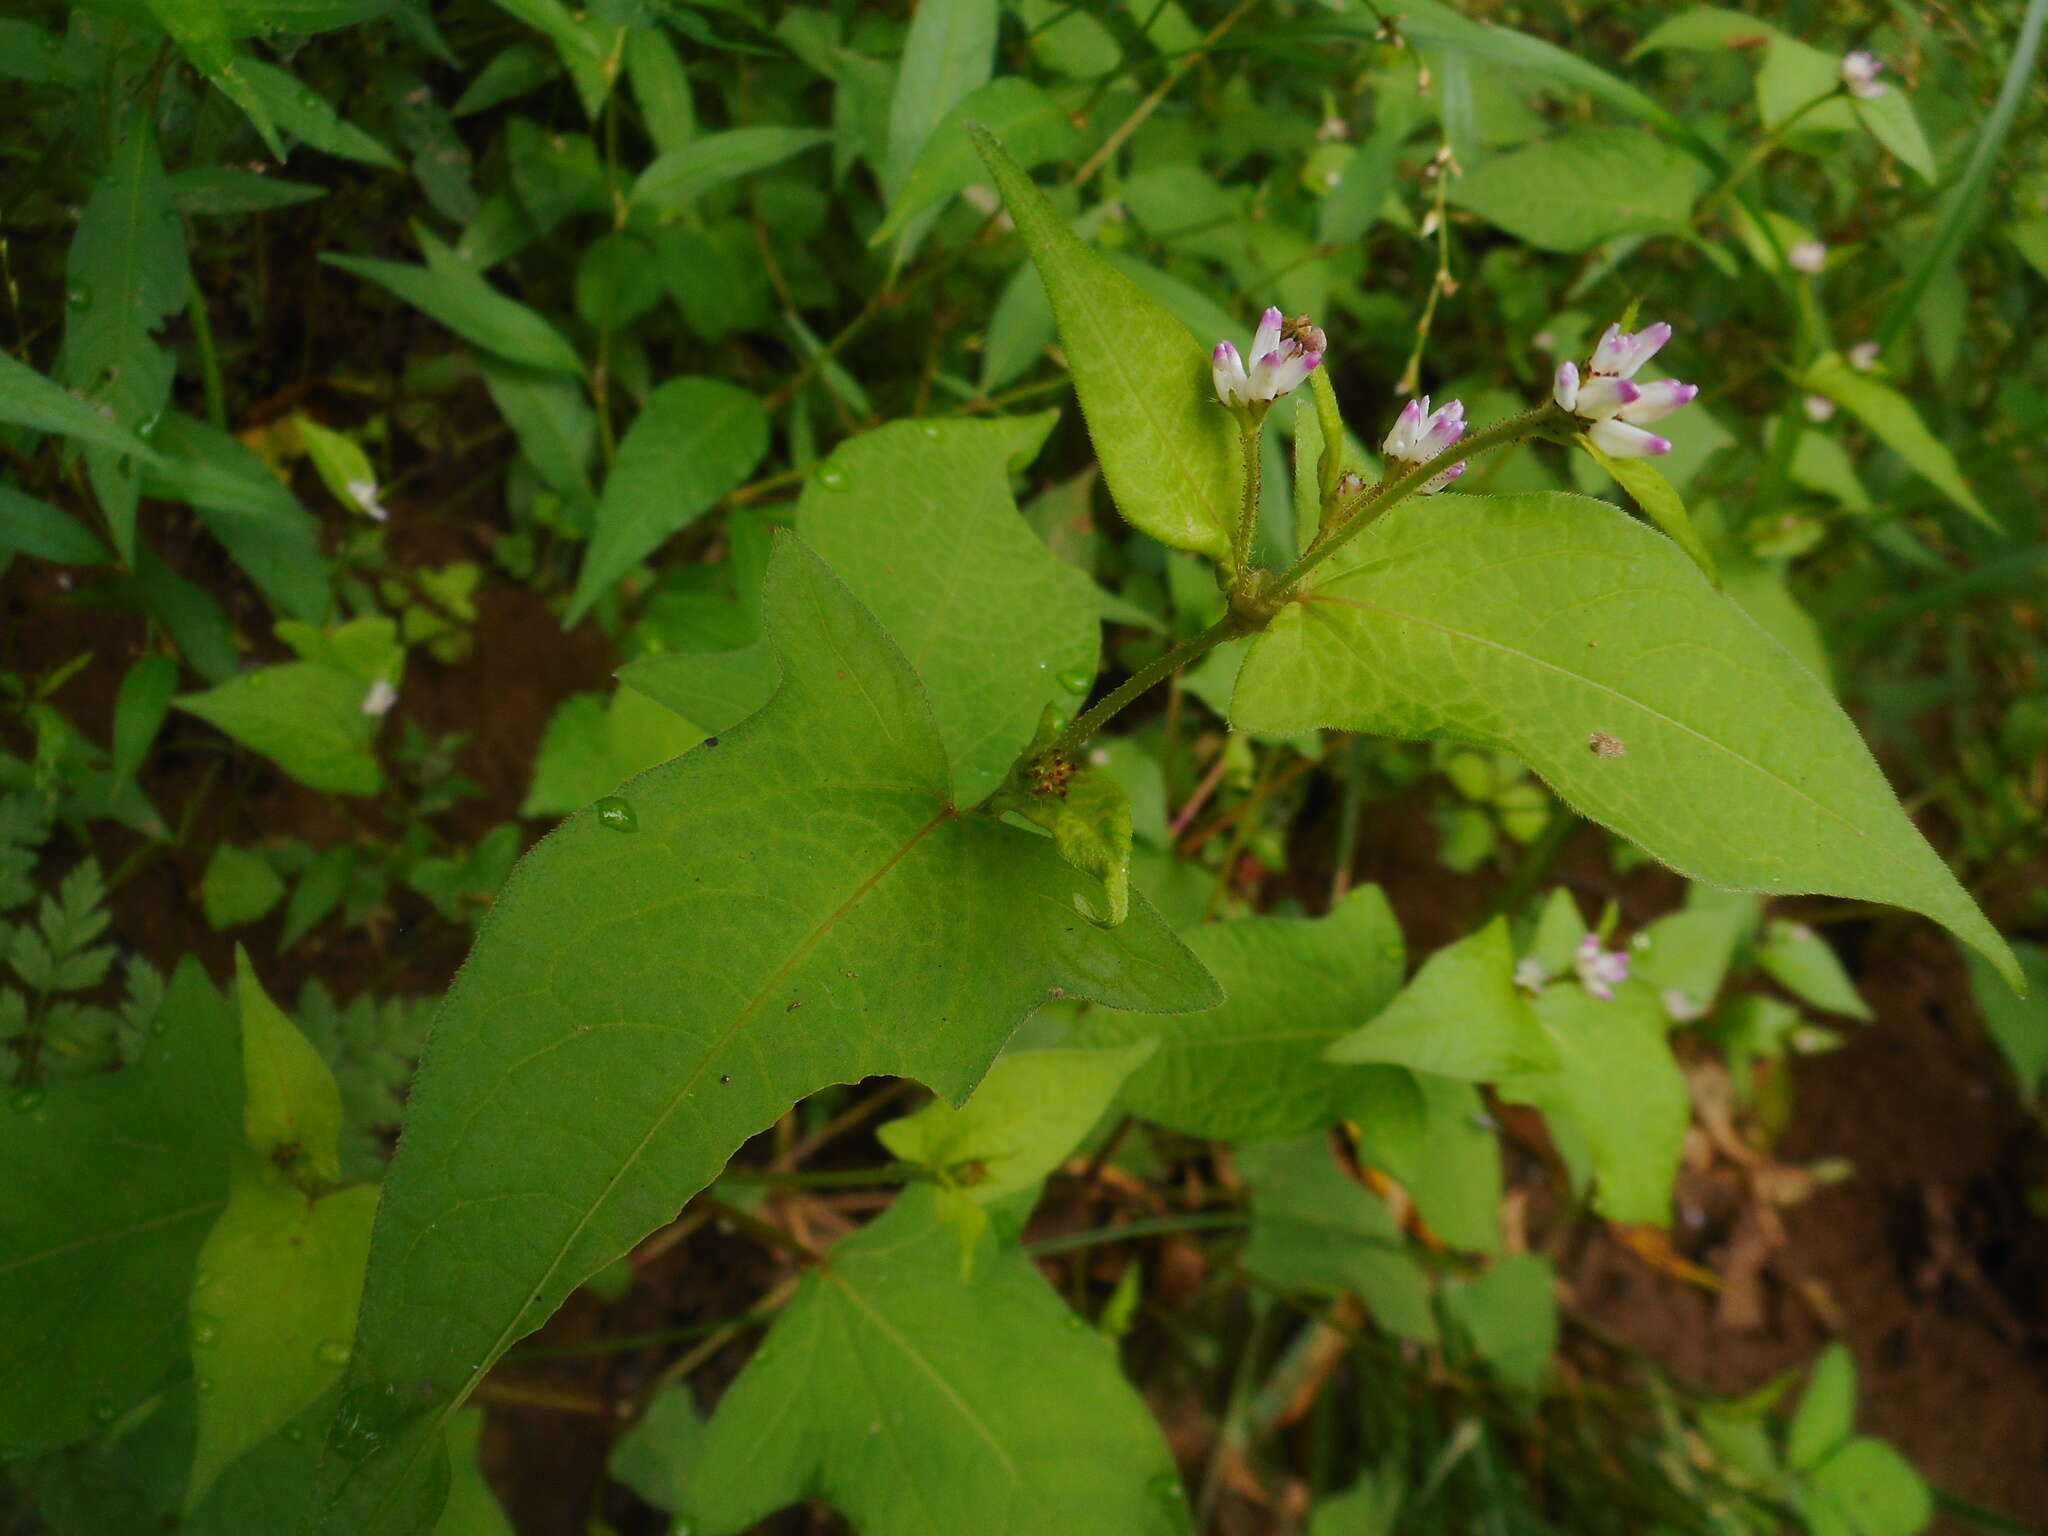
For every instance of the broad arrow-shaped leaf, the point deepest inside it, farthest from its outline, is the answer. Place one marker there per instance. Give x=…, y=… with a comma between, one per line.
x=111, y=1184
x=1559, y=629
x=1254, y=1069
x=923, y=1404
x=1143, y=379
x=796, y=904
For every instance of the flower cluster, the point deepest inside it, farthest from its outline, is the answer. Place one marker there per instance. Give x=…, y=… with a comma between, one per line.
x=1609, y=401
x=1420, y=434
x=1284, y=353
x=1859, y=75
x=1600, y=970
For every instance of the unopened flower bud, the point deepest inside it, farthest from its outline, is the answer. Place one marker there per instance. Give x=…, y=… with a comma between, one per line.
x=1609, y=401
x=1600, y=970
x=1420, y=435
x=1281, y=359
x=1807, y=256
x=1819, y=408
x=380, y=698
x=1863, y=356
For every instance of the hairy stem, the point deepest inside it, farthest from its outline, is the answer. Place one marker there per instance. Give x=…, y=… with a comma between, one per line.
x=1086, y=724
x=1248, y=510
x=1365, y=509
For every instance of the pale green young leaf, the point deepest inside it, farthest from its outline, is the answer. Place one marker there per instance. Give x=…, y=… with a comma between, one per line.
x=2017, y=1025
x=1660, y=501
x=1167, y=448
x=915, y=1400
x=1794, y=75
x=1316, y=1229
x=1804, y=964
x=1559, y=927
x=1898, y=426
x=471, y=308
x=1026, y=1115
x=1571, y=193
x=472, y=1508
x=1449, y=1161
x=694, y=440
x=273, y=1303
x=798, y=905
x=112, y=1182
x=1687, y=954
x=306, y=717
x=239, y=886
x=1371, y=1506
x=1593, y=650
x=1891, y=121
x=1462, y=1017
x=1618, y=1092
x=1510, y=1314
x=1873, y=1489
x=676, y=179
x=1253, y=1069
x=1032, y=124
x=1706, y=28
x=711, y=689
x=342, y=465
x=291, y=1109
x=948, y=53
x=1827, y=1409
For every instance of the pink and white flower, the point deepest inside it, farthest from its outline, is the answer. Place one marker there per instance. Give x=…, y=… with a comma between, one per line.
x=1863, y=356
x=1807, y=256
x=1284, y=354
x=1819, y=408
x=1420, y=434
x=1600, y=970
x=1859, y=74
x=1610, y=402
x=380, y=698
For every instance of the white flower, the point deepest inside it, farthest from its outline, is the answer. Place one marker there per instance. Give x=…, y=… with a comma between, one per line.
x=1859, y=74
x=1807, y=256
x=1600, y=970
x=1611, y=403
x=1284, y=353
x=1819, y=408
x=364, y=494
x=1863, y=356
x=1420, y=434
x=1530, y=974
x=380, y=698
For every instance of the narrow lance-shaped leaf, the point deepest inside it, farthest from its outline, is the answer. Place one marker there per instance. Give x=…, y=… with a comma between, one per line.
x=472, y=309
x=1891, y=416
x=1559, y=629
x=798, y=904
x=1166, y=446
x=693, y=441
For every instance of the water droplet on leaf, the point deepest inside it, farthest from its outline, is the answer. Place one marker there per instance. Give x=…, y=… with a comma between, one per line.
x=79, y=295
x=833, y=479
x=205, y=1331
x=1076, y=679
x=104, y=1412
x=204, y=1386
x=332, y=1352
x=617, y=814
x=931, y=429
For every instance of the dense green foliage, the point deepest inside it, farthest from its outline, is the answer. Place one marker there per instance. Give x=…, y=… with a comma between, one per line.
x=1003, y=679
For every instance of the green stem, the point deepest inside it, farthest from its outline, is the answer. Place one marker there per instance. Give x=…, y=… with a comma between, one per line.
x=1248, y=511
x=1758, y=153
x=1150, y=1226
x=1367, y=508
x=209, y=358
x=1086, y=724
